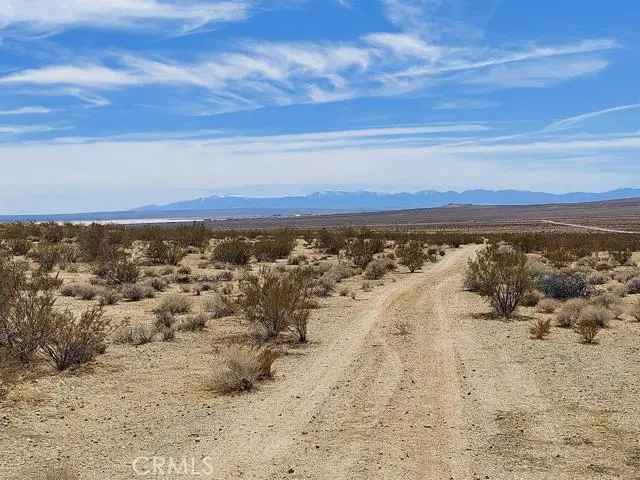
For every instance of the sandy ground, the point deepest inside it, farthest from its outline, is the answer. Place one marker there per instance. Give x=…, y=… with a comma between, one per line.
x=461, y=396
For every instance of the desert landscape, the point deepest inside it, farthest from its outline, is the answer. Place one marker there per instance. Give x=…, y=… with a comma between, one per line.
x=184, y=352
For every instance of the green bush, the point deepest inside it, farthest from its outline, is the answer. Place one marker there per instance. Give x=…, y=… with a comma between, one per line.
x=411, y=255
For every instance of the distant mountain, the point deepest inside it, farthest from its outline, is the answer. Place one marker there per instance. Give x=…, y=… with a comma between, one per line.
x=372, y=201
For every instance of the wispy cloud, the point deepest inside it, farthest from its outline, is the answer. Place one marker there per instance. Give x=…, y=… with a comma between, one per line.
x=26, y=111
x=566, y=123
x=284, y=73
x=42, y=15
x=18, y=130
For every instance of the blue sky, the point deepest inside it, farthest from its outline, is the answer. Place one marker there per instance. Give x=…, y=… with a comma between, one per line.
x=111, y=104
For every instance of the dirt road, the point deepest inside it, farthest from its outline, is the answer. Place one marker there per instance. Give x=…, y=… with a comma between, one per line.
x=448, y=401
x=588, y=227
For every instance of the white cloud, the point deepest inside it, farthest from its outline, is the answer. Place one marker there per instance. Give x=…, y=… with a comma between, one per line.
x=26, y=111
x=578, y=119
x=90, y=76
x=43, y=15
x=15, y=130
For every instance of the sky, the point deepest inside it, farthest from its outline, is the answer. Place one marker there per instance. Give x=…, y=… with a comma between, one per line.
x=113, y=104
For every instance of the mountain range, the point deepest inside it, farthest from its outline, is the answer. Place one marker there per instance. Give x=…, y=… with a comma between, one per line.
x=374, y=201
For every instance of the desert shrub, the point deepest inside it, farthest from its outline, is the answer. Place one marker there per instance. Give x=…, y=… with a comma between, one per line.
x=597, y=278
x=587, y=328
x=633, y=286
x=158, y=284
x=560, y=257
x=331, y=242
x=237, y=369
x=109, y=297
x=635, y=310
x=133, y=292
x=540, y=328
x=344, y=291
x=402, y=327
x=623, y=276
x=117, y=269
x=164, y=319
x=218, y=307
x=531, y=298
x=270, y=250
x=160, y=252
x=47, y=256
x=277, y=301
x=547, y=305
x=26, y=309
x=235, y=251
x=608, y=301
x=297, y=260
x=183, y=270
x=225, y=276
x=375, y=270
x=561, y=285
x=175, y=304
x=194, y=323
x=503, y=277
x=85, y=291
x=621, y=256
x=140, y=335
x=361, y=251
x=19, y=246
x=599, y=315
x=617, y=289
x=74, y=341
x=68, y=290
x=411, y=255
x=366, y=286
x=167, y=334
x=570, y=311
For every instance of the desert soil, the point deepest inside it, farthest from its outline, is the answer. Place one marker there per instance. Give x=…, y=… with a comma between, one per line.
x=462, y=396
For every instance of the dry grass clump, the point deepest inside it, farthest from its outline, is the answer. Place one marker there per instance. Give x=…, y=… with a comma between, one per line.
x=218, y=306
x=194, y=323
x=109, y=297
x=633, y=286
x=60, y=473
x=238, y=368
x=601, y=316
x=531, y=298
x=85, y=292
x=402, y=327
x=366, y=286
x=136, y=292
x=175, y=304
x=540, y=328
x=547, y=305
x=570, y=312
x=138, y=335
